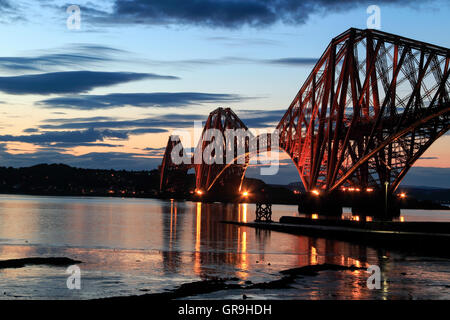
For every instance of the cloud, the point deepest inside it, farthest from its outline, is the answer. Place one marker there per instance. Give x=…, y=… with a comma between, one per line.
x=73, y=56
x=159, y=123
x=142, y=100
x=85, y=136
x=88, y=134
x=62, y=146
x=235, y=42
x=294, y=61
x=261, y=118
x=69, y=81
x=224, y=13
x=82, y=55
x=154, y=124
x=202, y=62
x=30, y=130
x=8, y=12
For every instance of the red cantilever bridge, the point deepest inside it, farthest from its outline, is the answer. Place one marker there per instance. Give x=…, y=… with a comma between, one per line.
x=372, y=105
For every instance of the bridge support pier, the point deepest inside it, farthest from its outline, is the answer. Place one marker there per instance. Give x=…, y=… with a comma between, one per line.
x=263, y=212
x=324, y=204
x=375, y=205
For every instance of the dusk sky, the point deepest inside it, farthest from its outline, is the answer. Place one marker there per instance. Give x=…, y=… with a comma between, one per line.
x=109, y=94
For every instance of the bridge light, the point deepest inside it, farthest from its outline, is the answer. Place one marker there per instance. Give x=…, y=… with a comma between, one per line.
x=314, y=216
x=357, y=189
x=369, y=189
x=199, y=192
x=245, y=193
x=402, y=195
x=315, y=192
x=402, y=219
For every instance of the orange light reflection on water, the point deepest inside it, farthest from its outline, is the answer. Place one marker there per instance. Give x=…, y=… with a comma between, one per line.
x=243, y=264
x=197, y=262
x=314, y=259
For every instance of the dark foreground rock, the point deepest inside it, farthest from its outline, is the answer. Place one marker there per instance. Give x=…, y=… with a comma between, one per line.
x=50, y=261
x=218, y=284
x=313, y=270
x=185, y=290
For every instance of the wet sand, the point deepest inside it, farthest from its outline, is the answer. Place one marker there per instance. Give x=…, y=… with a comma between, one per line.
x=287, y=277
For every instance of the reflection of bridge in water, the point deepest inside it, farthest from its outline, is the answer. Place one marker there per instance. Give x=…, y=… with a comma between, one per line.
x=224, y=250
x=372, y=105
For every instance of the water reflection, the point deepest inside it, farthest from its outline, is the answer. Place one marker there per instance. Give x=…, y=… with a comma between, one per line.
x=220, y=249
x=154, y=241
x=173, y=221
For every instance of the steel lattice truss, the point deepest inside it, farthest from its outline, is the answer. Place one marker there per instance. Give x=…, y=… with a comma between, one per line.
x=372, y=105
x=168, y=167
x=220, y=119
x=207, y=171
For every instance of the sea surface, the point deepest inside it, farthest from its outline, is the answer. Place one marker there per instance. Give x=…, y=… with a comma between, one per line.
x=138, y=246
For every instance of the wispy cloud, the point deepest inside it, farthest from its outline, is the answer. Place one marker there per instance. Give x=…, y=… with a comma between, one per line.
x=77, y=55
x=235, y=41
x=203, y=62
x=84, y=136
x=70, y=81
x=261, y=118
x=293, y=61
x=142, y=100
x=156, y=123
x=137, y=126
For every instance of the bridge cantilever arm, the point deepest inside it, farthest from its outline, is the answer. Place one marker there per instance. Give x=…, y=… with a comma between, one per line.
x=387, y=142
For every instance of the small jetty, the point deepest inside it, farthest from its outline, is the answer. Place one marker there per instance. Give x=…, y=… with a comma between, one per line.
x=429, y=238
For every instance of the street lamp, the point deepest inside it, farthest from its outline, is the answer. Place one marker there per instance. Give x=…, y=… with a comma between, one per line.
x=386, y=184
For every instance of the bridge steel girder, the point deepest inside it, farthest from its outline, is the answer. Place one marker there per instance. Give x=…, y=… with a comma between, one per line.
x=168, y=168
x=221, y=119
x=371, y=106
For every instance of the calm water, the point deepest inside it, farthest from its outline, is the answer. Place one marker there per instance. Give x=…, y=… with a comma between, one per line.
x=136, y=246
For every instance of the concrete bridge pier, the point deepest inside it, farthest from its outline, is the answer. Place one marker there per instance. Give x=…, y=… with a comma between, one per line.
x=327, y=204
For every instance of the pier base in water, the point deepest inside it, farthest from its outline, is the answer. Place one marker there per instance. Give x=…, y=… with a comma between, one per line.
x=264, y=212
x=327, y=204
x=374, y=204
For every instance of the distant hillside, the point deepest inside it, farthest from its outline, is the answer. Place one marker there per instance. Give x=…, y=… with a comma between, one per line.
x=421, y=193
x=427, y=193
x=60, y=179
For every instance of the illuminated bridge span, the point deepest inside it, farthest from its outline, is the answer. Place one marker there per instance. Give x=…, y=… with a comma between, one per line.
x=372, y=105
